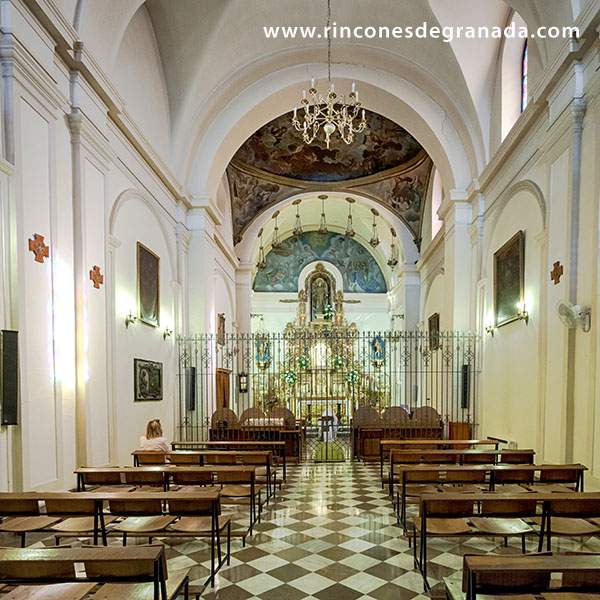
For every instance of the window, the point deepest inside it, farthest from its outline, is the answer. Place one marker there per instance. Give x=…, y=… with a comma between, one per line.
x=524, y=78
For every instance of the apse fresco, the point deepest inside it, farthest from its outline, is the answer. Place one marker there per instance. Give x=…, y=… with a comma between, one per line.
x=278, y=149
x=360, y=271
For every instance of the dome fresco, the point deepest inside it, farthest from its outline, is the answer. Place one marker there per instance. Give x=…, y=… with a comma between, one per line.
x=360, y=271
x=278, y=149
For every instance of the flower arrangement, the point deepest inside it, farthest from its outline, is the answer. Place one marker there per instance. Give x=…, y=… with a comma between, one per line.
x=328, y=312
x=338, y=362
x=303, y=362
x=290, y=377
x=352, y=377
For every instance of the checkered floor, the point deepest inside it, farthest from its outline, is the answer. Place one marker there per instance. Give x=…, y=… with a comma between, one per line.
x=330, y=534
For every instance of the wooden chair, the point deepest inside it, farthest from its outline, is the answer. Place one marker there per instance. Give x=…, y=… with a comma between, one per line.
x=146, y=480
x=517, y=457
x=150, y=457
x=265, y=473
x=24, y=517
x=102, y=481
x=478, y=458
x=183, y=459
x=504, y=518
x=188, y=479
x=226, y=458
x=443, y=518
x=512, y=480
x=198, y=518
x=141, y=518
x=573, y=517
x=79, y=518
x=465, y=481
x=238, y=487
x=560, y=480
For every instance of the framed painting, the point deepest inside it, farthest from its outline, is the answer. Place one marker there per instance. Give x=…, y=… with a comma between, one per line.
x=434, y=331
x=148, y=285
x=148, y=381
x=509, y=280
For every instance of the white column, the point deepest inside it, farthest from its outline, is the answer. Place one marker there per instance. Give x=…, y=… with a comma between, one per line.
x=457, y=215
x=404, y=299
x=243, y=291
x=201, y=299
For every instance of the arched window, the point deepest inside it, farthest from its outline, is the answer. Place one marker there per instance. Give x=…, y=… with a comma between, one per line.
x=524, y=77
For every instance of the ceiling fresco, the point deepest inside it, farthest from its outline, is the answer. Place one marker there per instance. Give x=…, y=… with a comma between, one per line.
x=277, y=148
x=385, y=163
x=360, y=271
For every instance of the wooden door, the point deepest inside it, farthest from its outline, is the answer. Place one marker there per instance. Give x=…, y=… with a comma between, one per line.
x=223, y=385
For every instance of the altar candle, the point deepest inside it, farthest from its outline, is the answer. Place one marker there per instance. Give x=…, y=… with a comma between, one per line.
x=353, y=86
x=304, y=94
x=312, y=83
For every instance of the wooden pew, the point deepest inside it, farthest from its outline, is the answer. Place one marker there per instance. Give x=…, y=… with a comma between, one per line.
x=530, y=573
x=492, y=477
x=246, y=475
x=472, y=456
x=126, y=573
x=277, y=447
x=455, y=514
x=419, y=444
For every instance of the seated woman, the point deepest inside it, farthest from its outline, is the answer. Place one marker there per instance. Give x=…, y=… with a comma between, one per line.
x=154, y=439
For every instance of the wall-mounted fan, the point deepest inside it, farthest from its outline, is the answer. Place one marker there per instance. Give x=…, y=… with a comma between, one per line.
x=573, y=315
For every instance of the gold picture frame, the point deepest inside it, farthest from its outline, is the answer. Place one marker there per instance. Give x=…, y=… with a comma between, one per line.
x=148, y=286
x=509, y=280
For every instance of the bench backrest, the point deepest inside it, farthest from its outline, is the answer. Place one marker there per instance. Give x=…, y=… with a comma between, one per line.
x=70, y=506
x=12, y=507
x=136, y=507
x=513, y=476
x=101, y=478
x=151, y=458
x=517, y=457
x=133, y=477
x=192, y=477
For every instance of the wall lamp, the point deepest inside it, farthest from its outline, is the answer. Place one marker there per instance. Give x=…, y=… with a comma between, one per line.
x=490, y=329
x=523, y=315
x=167, y=333
x=130, y=319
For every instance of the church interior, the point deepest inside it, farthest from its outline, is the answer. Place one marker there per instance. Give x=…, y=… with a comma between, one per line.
x=298, y=299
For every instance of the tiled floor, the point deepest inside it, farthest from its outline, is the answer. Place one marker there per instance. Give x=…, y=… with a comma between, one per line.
x=329, y=535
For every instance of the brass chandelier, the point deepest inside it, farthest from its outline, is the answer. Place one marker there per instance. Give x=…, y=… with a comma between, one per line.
x=328, y=111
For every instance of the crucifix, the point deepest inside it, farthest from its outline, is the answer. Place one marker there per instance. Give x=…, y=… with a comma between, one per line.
x=96, y=277
x=39, y=248
x=557, y=272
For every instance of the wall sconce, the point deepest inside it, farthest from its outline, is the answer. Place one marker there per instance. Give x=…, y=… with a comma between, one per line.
x=490, y=329
x=167, y=333
x=243, y=382
x=130, y=319
x=523, y=314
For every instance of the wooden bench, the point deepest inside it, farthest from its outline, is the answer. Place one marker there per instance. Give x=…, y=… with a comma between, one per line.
x=482, y=513
x=413, y=444
x=277, y=447
x=474, y=478
x=492, y=574
x=125, y=573
x=238, y=475
x=262, y=459
x=455, y=456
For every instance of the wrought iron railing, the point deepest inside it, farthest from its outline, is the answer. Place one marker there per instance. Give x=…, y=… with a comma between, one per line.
x=347, y=378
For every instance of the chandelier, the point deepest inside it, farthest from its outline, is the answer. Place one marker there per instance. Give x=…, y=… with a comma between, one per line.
x=374, y=241
x=298, y=222
x=349, y=233
x=323, y=224
x=328, y=111
x=393, y=262
x=275, y=242
x=262, y=261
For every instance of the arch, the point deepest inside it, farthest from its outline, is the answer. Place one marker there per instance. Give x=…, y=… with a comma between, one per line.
x=134, y=194
x=247, y=249
x=526, y=185
x=452, y=140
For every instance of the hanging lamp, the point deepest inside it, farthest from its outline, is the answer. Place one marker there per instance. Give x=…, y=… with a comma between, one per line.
x=298, y=223
x=374, y=241
x=323, y=225
x=349, y=233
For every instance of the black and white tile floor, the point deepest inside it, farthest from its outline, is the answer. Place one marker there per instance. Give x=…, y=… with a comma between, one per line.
x=331, y=535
